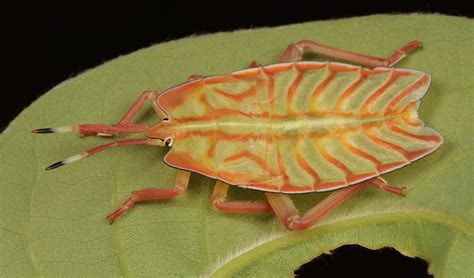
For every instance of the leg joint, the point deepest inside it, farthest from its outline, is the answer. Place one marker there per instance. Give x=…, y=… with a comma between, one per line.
x=302, y=43
x=149, y=94
x=294, y=222
x=180, y=189
x=217, y=202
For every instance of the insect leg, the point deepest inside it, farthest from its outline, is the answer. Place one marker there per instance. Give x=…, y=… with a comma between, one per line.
x=122, y=126
x=382, y=184
x=289, y=215
x=151, y=194
x=220, y=194
x=128, y=117
x=132, y=111
x=295, y=52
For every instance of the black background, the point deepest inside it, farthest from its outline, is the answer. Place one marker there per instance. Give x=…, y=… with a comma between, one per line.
x=44, y=44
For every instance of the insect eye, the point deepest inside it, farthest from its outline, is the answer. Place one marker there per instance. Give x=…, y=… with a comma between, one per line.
x=169, y=142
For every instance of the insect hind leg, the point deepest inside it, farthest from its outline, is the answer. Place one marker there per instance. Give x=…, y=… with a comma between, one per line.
x=295, y=52
x=289, y=215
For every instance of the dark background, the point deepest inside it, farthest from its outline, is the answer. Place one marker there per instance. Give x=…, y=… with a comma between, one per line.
x=44, y=44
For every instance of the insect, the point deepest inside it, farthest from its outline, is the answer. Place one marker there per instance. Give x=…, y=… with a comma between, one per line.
x=291, y=127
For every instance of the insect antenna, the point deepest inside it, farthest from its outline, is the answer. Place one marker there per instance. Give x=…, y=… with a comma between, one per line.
x=100, y=148
x=95, y=129
x=55, y=129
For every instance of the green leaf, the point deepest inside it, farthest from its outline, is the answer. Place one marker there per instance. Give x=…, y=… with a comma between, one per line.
x=53, y=223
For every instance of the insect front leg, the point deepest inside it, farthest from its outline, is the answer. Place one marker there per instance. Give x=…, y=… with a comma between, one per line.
x=289, y=214
x=123, y=126
x=218, y=200
x=124, y=123
x=295, y=52
x=151, y=194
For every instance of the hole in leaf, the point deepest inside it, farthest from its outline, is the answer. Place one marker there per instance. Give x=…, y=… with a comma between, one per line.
x=358, y=261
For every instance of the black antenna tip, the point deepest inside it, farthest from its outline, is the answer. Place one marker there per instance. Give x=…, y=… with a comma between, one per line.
x=43, y=130
x=55, y=165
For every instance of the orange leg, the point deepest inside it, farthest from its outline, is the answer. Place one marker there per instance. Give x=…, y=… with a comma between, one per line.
x=295, y=52
x=218, y=200
x=123, y=126
x=132, y=111
x=289, y=215
x=151, y=194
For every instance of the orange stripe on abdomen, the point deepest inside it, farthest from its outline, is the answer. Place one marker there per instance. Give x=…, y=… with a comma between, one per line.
x=292, y=92
x=407, y=154
x=350, y=177
x=319, y=90
x=237, y=97
x=345, y=142
x=282, y=169
x=410, y=156
x=250, y=156
x=348, y=92
x=270, y=89
x=380, y=166
x=373, y=97
x=384, y=143
x=430, y=138
x=305, y=166
x=420, y=82
x=331, y=159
